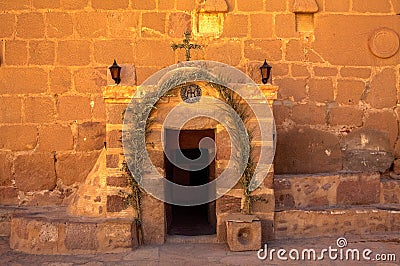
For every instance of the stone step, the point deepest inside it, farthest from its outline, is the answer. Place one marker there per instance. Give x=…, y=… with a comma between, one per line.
x=335, y=222
x=52, y=231
x=202, y=239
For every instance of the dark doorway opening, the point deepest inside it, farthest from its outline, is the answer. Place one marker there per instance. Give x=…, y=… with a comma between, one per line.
x=190, y=220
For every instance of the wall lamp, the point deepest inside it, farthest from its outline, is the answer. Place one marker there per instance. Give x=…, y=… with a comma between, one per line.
x=265, y=72
x=115, y=71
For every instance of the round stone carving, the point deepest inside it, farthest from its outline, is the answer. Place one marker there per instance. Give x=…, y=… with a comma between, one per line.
x=384, y=43
x=191, y=93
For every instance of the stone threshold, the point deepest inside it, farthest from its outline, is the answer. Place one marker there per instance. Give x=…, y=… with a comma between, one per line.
x=202, y=239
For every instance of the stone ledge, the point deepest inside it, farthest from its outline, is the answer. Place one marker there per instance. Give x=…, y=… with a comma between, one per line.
x=52, y=231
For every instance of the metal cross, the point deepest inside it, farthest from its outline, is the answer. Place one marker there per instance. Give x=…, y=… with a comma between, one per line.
x=186, y=45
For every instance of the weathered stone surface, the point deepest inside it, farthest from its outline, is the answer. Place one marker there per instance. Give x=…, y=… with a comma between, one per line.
x=153, y=220
x=91, y=136
x=55, y=138
x=10, y=110
x=359, y=190
x=390, y=191
x=349, y=91
x=59, y=24
x=40, y=109
x=5, y=169
x=243, y=236
x=367, y=150
x=90, y=80
x=291, y=88
x=345, y=116
x=30, y=25
x=382, y=91
x=30, y=80
x=117, y=181
x=228, y=204
x=315, y=114
x=35, y=172
x=81, y=236
x=306, y=150
x=179, y=22
x=235, y=25
x=384, y=121
x=8, y=196
x=321, y=90
x=17, y=52
x=74, y=167
x=116, y=203
x=356, y=52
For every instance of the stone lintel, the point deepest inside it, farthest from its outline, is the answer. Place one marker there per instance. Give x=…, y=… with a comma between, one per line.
x=305, y=6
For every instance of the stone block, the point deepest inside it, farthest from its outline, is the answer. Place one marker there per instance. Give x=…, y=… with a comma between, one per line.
x=116, y=236
x=59, y=24
x=290, y=88
x=91, y=136
x=185, y=5
x=349, y=91
x=367, y=150
x=355, y=72
x=309, y=114
x=153, y=21
x=74, y=167
x=258, y=49
x=116, y=203
x=285, y=26
x=46, y=4
x=228, y=204
x=299, y=71
x=337, y=6
x=73, y=53
x=391, y=191
x=153, y=220
x=118, y=4
x=143, y=5
x=60, y=80
x=235, y=26
x=74, y=4
x=117, y=181
x=81, y=236
x=345, y=116
x=105, y=51
x=372, y=6
x=40, y=109
x=41, y=52
x=90, y=80
x=385, y=121
x=178, y=23
x=165, y=4
x=325, y=71
x=7, y=25
x=55, y=137
x=115, y=113
x=295, y=51
x=30, y=25
x=359, y=190
x=162, y=56
x=123, y=24
x=284, y=200
x=243, y=5
x=74, y=108
x=35, y=172
x=243, y=235
x=5, y=169
x=306, y=150
x=382, y=92
x=99, y=108
x=9, y=196
x=16, y=52
x=112, y=161
x=396, y=166
x=321, y=90
x=228, y=53
x=91, y=24
x=15, y=5
x=10, y=110
x=275, y=6
x=18, y=137
x=114, y=139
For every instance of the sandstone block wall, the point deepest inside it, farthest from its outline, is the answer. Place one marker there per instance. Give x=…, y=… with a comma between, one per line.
x=339, y=86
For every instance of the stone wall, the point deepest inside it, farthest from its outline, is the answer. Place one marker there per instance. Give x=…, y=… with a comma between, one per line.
x=336, y=63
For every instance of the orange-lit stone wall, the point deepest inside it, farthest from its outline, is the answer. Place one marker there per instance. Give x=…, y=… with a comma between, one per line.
x=336, y=63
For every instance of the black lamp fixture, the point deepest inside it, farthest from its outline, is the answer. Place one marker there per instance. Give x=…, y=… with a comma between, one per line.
x=115, y=71
x=265, y=72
